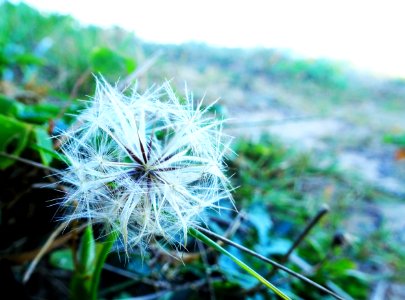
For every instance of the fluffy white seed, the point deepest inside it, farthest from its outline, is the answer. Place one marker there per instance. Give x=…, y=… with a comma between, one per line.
x=146, y=165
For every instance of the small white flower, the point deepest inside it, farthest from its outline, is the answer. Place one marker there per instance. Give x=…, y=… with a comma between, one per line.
x=146, y=164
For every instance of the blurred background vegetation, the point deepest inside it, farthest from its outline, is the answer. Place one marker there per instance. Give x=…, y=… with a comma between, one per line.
x=308, y=133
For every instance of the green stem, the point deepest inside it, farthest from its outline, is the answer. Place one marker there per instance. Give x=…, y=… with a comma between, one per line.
x=101, y=258
x=205, y=239
x=91, y=257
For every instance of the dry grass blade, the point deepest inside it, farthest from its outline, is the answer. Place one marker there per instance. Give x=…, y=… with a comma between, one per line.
x=45, y=248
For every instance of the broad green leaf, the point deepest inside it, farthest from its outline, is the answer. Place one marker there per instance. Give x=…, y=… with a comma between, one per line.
x=260, y=218
x=39, y=113
x=111, y=64
x=28, y=59
x=14, y=137
x=130, y=65
x=202, y=237
x=51, y=153
x=339, y=267
x=9, y=107
x=395, y=139
x=44, y=141
x=36, y=113
x=62, y=259
x=360, y=276
x=278, y=246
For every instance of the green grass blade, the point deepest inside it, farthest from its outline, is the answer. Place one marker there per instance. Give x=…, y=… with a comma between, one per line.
x=202, y=237
x=91, y=257
x=84, y=268
x=102, y=254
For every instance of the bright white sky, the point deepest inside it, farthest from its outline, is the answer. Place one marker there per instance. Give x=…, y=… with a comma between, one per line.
x=368, y=34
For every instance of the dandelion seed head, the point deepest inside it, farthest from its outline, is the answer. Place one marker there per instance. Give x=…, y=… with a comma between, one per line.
x=146, y=165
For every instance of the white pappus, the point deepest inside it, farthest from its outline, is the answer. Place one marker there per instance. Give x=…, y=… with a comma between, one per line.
x=146, y=165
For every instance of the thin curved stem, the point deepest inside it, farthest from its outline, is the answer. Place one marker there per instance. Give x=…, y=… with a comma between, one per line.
x=269, y=261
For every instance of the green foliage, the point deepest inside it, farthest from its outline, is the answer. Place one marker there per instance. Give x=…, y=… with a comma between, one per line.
x=195, y=233
x=23, y=126
x=245, y=65
x=318, y=71
x=397, y=139
x=86, y=264
x=35, y=113
x=38, y=113
x=60, y=47
x=272, y=181
x=44, y=143
x=14, y=136
x=279, y=189
x=109, y=62
x=9, y=107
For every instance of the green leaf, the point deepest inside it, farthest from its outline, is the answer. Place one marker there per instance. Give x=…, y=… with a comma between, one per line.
x=26, y=59
x=278, y=246
x=260, y=218
x=91, y=257
x=103, y=250
x=44, y=141
x=80, y=285
x=202, y=237
x=39, y=113
x=398, y=140
x=14, y=137
x=62, y=259
x=87, y=252
x=337, y=289
x=233, y=273
x=9, y=107
x=36, y=113
x=111, y=64
x=130, y=65
x=339, y=267
x=52, y=153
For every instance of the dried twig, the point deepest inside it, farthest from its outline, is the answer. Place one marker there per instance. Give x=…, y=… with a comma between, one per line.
x=29, y=162
x=24, y=257
x=296, y=243
x=307, y=229
x=47, y=247
x=302, y=236
x=43, y=251
x=136, y=277
x=187, y=286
